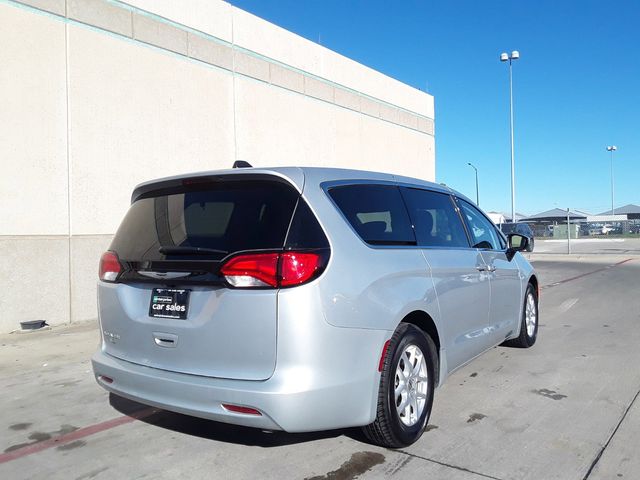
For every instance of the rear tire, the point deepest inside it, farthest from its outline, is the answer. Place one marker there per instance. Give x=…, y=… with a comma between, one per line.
x=528, y=322
x=405, y=396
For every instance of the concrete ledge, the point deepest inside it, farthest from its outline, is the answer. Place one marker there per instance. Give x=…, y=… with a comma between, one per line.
x=286, y=78
x=51, y=6
x=370, y=107
x=425, y=125
x=347, y=99
x=159, y=34
x=389, y=113
x=251, y=66
x=102, y=15
x=317, y=89
x=210, y=52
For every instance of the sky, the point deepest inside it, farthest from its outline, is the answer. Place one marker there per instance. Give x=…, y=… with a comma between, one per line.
x=576, y=87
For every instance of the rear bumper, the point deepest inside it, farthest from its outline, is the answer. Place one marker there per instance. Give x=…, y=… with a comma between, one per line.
x=293, y=399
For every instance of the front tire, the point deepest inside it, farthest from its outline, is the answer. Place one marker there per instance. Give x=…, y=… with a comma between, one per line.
x=407, y=382
x=528, y=322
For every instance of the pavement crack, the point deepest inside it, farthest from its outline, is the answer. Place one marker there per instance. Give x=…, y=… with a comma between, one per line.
x=444, y=464
x=615, y=430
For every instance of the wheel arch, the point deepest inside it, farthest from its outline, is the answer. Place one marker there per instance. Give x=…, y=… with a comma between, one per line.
x=533, y=280
x=424, y=322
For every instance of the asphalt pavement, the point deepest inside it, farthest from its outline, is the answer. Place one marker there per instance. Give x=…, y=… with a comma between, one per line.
x=565, y=409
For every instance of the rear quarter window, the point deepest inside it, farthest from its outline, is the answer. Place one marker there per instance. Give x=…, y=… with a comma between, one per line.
x=376, y=212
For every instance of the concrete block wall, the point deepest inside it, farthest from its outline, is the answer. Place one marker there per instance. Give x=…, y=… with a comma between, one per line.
x=102, y=95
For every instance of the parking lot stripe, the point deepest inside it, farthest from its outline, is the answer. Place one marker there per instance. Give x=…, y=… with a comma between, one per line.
x=75, y=435
x=585, y=274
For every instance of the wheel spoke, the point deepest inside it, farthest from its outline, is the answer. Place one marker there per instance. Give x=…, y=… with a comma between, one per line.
x=402, y=387
x=407, y=413
x=402, y=378
x=404, y=403
x=414, y=406
x=418, y=366
x=407, y=363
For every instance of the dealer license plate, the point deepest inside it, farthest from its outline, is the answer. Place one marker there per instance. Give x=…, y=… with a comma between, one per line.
x=169, y=303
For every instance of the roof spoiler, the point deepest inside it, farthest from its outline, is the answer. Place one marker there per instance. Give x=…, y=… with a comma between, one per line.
x=241, y=164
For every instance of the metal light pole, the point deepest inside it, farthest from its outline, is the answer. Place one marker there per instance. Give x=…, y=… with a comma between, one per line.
x=477, y=191
x=611, y=149
x=568, y=233
x=515, y=55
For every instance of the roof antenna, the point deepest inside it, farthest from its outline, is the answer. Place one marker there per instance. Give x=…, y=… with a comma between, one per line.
x=241, y=164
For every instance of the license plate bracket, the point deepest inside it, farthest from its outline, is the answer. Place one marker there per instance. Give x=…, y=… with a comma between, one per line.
x=169, y=303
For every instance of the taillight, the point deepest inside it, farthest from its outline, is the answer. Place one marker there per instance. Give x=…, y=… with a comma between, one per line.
x=255, y=270
x=297, y=268
x=272, y=269
x=110, y=267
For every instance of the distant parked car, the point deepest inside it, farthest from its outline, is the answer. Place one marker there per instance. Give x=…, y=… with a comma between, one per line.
x=585, y=229
x=520, y=228
x=607, y=229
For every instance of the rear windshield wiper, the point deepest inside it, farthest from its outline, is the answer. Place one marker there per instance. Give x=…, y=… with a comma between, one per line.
x=190, y=251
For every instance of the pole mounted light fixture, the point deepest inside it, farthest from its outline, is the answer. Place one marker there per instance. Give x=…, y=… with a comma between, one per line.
x=510, y=57
x=611, y=149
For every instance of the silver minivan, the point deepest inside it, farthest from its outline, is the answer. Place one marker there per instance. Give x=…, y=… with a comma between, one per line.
x=304, y=299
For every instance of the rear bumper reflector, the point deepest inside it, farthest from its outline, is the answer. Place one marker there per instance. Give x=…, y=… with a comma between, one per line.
x=240, y=409
x=384, y=354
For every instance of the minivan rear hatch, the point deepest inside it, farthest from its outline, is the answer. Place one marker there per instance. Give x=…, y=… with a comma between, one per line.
x=170, y=307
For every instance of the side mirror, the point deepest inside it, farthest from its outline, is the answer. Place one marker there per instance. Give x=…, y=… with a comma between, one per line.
x=517, y=243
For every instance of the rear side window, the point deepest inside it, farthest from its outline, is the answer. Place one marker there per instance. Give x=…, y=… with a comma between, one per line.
x=226, y=216
x=436, y=222
x=376, y=212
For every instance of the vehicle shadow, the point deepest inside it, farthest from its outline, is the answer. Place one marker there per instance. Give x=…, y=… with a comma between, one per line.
x=223, y=432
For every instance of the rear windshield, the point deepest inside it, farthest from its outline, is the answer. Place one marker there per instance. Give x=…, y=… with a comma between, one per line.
x=522, y=228
x=227, y=216
x=508, y=227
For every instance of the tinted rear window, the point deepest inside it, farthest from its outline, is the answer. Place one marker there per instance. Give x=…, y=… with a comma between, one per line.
x=229, y=216
x=376, y=212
